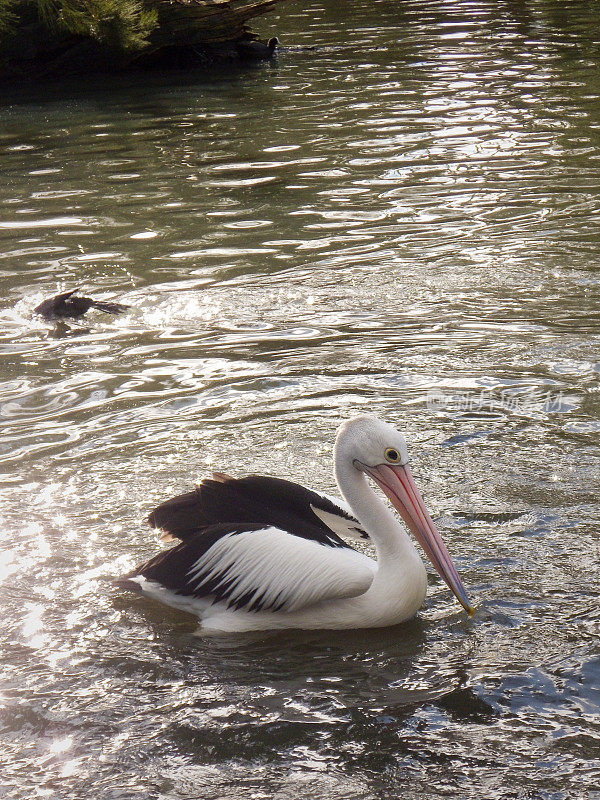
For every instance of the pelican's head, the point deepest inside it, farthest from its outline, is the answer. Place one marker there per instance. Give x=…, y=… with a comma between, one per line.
x=371, y=441
x=378, y=450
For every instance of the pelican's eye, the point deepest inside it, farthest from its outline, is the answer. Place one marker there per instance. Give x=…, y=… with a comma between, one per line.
x=392, y=456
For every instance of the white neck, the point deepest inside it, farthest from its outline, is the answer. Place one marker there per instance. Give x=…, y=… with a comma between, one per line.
x=387, y=534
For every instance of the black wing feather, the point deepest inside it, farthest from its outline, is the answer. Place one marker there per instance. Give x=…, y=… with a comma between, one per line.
x=255, y=499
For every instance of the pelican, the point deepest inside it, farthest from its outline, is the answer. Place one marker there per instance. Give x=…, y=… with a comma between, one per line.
x=261, y=553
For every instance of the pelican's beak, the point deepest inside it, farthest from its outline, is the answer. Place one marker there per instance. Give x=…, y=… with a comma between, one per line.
x=398, y=485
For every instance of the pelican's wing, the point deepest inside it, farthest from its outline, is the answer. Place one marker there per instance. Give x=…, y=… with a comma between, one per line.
x=257, y=499
x=256, y=568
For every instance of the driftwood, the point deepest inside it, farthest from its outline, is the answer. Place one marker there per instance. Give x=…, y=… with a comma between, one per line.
x=180, y=33
x=206, y=21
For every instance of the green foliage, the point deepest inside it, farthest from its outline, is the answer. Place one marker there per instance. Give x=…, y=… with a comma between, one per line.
x=66, y=37
x=8, y=18
x=119, y=25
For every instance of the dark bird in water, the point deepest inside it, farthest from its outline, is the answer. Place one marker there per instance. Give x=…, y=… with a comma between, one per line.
x=67, y=305
x=254, y=49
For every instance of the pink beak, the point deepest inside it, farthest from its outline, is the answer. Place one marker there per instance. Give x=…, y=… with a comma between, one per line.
x=398, y=485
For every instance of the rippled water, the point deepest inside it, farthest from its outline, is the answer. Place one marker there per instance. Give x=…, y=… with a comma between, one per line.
x=399, y=215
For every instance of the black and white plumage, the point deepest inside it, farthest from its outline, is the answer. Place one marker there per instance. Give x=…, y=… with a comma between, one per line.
x=229, y=529
x=258, y=499
x=67, y=306
x=262, y=553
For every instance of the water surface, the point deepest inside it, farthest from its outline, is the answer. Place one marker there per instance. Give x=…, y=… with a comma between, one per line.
x=398, y=216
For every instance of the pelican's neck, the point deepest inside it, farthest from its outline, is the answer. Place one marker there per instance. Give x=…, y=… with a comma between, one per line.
x=387, y=534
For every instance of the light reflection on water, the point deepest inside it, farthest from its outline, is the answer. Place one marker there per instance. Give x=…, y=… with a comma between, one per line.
x=410, y=208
